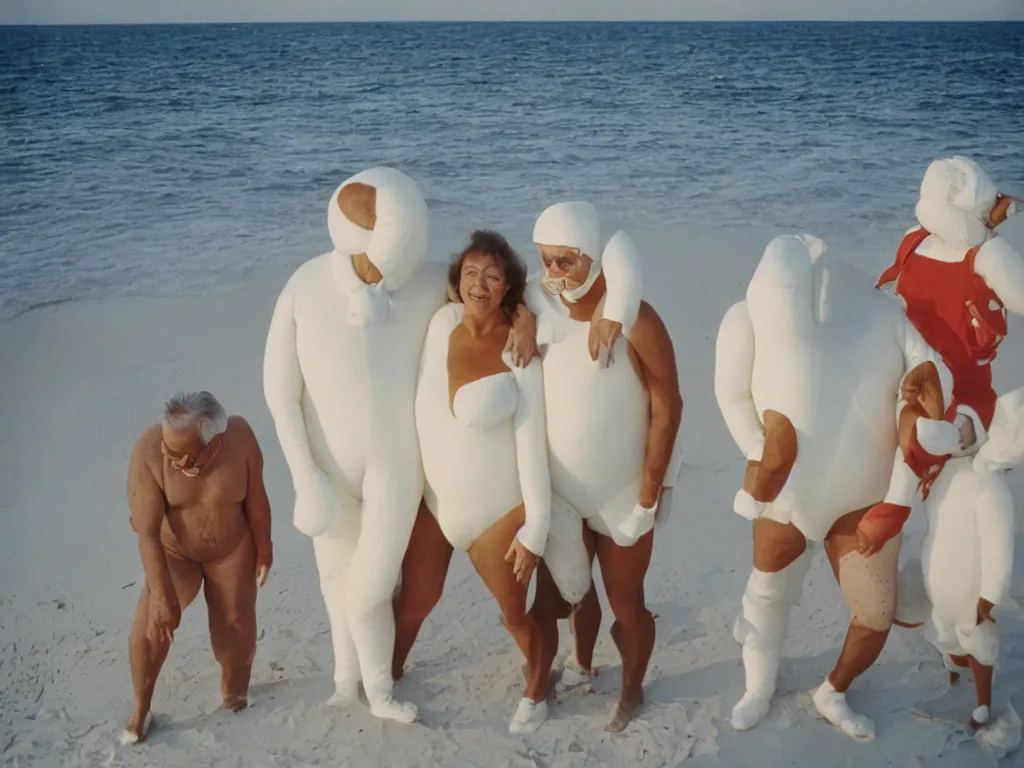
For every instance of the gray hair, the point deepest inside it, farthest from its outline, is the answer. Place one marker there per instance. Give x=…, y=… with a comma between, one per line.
x=196, y=410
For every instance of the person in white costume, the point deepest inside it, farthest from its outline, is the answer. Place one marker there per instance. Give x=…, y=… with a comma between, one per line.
x=967, y=556
x=339, y=377
x=613, y=409
x=482, y=436
x=957, y=279
x=805, y=379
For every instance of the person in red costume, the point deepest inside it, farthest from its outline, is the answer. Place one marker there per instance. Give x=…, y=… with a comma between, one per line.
x=957, y=278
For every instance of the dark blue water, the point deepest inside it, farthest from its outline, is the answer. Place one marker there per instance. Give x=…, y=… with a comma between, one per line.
x=168, y=159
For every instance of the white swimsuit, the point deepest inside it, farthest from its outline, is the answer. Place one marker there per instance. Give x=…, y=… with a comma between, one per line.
x=490, y=455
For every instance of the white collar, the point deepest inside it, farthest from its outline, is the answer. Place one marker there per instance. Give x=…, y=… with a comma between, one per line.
x=368, y=305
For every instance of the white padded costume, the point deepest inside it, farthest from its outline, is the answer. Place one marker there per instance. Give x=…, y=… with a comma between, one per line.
x=832, y=363
x=597, y=417
x=832, y=367
x=339, y=378
x=968, y=550
x=486, y=453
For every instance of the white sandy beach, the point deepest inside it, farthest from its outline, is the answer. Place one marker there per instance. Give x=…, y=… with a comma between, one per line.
x=80, y=381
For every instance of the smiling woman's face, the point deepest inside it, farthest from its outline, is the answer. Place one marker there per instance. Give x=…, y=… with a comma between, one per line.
x=482, y=284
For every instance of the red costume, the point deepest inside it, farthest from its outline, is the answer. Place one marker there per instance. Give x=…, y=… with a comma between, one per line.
x=958, y=315
x=964, y=321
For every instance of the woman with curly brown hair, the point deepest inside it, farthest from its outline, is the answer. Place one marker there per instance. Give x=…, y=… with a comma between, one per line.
x=484, y=445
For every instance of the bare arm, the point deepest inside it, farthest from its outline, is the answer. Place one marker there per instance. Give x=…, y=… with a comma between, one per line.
x=917, y=352
x=257, y=504
x=148, y=507
x=653, y=345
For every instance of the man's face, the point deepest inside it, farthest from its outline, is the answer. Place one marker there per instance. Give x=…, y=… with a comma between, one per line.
x=564, y=268
x=185, y=451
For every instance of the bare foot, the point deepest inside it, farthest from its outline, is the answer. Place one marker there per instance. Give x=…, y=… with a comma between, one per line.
x=137, y=728
x=236, y=703
x=624, y=712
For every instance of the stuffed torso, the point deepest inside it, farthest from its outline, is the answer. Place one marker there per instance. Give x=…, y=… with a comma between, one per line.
x=833, y=368
x=597, y=423
x=360, y=382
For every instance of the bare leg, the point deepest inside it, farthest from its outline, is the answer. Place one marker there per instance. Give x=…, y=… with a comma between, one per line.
x=623, y=570
x=958, y=661
x=488, y=556
x=423, y=573
x=983, y=688
x=148, y=656
x=548, y=607
x=585, y=621
x=869, y=587
x=230, y=590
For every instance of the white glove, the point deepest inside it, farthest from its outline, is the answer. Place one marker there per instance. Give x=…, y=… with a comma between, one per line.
x=747, y=506
x=639, y=521
x=315, y=505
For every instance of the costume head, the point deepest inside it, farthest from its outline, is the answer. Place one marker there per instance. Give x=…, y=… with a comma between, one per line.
x=574, y=225
x=789, y=281
x=957, y=197
x=397, y=242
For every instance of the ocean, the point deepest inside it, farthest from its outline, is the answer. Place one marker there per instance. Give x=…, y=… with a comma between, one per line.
x=168, y=160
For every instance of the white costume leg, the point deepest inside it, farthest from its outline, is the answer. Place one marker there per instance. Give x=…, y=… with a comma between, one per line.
x=912, y=604
x=762, y=631
x=565, y=553
x=333, y=550
x=376, y=564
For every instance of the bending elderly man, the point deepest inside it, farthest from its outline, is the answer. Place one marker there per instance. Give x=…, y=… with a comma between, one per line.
x=199, y=507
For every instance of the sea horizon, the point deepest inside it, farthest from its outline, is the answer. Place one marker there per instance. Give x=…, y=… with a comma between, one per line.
x=162, y=159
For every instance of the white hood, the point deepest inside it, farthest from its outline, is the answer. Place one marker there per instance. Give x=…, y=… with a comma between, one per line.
x=956, y=199
x=397, y=245
x=573, y=224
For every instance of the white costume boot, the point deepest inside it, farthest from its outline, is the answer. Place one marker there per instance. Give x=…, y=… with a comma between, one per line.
x=833, y=707
x=762, y=631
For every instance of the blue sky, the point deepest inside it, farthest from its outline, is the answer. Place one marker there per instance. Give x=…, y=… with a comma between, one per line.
x=114, y=11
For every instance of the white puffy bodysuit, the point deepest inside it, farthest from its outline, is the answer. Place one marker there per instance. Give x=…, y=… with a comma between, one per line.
x=832, y=367
x=485, y=454
x=832, y=363
x=340, y=378
x=968, y=550
x=597, y=417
